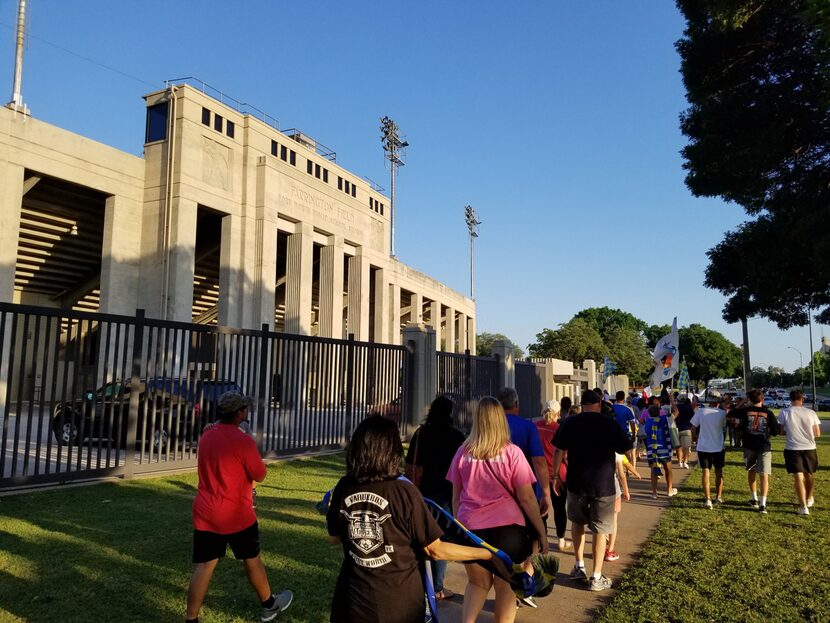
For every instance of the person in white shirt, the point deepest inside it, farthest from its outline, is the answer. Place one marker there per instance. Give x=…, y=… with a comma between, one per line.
x=709, y=422
x=801, y=426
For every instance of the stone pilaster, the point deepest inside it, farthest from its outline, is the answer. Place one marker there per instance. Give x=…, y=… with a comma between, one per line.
x=358, y=312
x=449, y=323
x=231, y=273
x=331, y=288
x=462, y=333
x=298, y=280
x=180, y=269
x=471, y=334
x=394, y=313
x=381, y=319
x=11, y=200
x=120, y=256
x=435, y=322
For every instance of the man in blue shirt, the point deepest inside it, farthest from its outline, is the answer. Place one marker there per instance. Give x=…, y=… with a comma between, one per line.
x=628, y=423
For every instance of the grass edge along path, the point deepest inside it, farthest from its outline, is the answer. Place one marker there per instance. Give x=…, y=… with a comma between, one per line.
x=732, y=564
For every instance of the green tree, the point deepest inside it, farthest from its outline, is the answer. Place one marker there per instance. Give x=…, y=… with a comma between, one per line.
x=484, y=344
x=757, y=77
x=627, y=349
x=573, y=341
x=606, y=319
x=708, y=354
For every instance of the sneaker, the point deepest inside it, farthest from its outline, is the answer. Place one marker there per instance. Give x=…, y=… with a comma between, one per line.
x=719, y=501
x=528, y=601
x=578, y=573
x=753, y=502
x=707, y=503
x=810, y=502
x=672, y=493
x=281, y=602
x=600, y=583
x=611, y=555
x=803, y=510
x=653, y=496
x=762, y=510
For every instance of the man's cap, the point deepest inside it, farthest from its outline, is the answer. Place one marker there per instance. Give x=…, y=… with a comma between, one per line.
x=553, y=406
x=233, y=401
x=713, y=396
x=590, y=397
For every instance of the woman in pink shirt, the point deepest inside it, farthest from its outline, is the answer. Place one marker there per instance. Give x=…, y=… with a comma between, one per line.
x=492, y=483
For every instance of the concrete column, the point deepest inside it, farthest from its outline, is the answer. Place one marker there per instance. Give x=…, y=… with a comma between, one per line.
x=435, y=322
x=503, y=350
x=591, y=366
x=11, y=200
x=231, y=273
x=449, y=337
x=394, y=313
x=471, y=334
x=416, y=308
x=462, y=333
x=120, y=256
x=298, y=280
x=381, y=319
x=358, y=312
x=265, y=274
x=331, y=288
x=182, y=259
x=420, y=340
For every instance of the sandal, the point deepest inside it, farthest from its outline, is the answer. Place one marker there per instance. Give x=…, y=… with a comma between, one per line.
x=444, y=594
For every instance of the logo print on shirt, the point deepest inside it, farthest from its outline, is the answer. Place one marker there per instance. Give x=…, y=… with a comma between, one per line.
x=365, y=531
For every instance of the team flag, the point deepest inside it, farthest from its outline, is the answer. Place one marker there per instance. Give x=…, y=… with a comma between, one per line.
x=609, y=367
x=666, y=356
x=683, y=377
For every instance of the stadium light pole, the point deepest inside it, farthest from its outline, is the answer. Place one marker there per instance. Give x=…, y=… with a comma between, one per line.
x=801, y=359
x=393, y=148
x=472, y=224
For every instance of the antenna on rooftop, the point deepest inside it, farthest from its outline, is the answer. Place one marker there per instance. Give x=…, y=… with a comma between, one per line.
x=393, y=148
x=17, y=95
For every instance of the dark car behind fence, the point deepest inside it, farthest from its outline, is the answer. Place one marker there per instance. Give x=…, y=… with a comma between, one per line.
x=86, y=395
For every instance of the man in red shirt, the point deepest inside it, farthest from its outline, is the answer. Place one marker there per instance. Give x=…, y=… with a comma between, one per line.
x=223, y=511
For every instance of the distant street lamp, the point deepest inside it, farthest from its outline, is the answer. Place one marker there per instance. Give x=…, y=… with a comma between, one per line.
x=801, y=359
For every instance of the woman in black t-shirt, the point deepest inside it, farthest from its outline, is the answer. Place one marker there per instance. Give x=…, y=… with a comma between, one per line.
x=386, y=530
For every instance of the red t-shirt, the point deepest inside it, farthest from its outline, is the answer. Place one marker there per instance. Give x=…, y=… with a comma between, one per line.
x=229, y=462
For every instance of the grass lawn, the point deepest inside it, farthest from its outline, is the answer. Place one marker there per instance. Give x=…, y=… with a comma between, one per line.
x=121, y=551
x=732, y=564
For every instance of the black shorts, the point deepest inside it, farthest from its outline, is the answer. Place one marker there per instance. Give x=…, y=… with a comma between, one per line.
x=800, y=461
x=514, y=540
x=708, y=460
x=209, y=546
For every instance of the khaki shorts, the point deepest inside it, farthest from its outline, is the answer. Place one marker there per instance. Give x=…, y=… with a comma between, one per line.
x=761, y=462
x=686, y=439
x=595, y=512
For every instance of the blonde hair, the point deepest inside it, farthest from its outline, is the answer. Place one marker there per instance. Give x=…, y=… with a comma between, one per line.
x=489, y=433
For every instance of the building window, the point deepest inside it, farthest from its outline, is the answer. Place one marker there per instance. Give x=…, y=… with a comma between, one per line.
x=217, y=122
x=326, y=176
x=346, y=185
x=354, y=190
x=156, y=123
x=283, y=153
x=229, y=129
x=339, y=183
x=206, y=116
x=274, y=147
x=293, y=158
x=317, y=171
x=381, y=209
x=309, y=167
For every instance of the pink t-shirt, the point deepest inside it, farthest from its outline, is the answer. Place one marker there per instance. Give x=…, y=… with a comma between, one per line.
x=484, y=502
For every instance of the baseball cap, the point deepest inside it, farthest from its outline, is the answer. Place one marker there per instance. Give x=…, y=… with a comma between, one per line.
x=553, y=406
x=233, y=401
x=590, y=397
x=713, y=396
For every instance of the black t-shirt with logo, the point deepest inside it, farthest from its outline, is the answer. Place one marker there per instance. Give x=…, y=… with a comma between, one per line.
x=591, y=439
x=758, y=423
x=436, y=446
x=384, y=527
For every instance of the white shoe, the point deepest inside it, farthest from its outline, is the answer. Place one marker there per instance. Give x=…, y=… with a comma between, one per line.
x=803, y=510
x=707, y=503
x=810, y=502
x=672, y=493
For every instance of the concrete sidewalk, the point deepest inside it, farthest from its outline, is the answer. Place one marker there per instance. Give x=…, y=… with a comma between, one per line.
x=572, y=602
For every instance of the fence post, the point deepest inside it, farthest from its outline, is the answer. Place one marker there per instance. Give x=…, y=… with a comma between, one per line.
x=468, y=377
x=420, y=340
x=503, y=350
x=348, y=427
x=135, y=390
x=262, y=395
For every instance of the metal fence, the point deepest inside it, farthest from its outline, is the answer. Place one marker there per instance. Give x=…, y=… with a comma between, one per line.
x=530, y=385
x=87, y=395
x=464, y=379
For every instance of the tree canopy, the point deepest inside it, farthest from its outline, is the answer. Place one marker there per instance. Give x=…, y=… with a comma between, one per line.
x=484, y=344
x=708, y=354
x=757, y=76
x=573, y=341
x=605, y=319
x=627, y=348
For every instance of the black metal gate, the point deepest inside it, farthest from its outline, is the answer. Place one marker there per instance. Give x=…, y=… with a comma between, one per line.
x=86, y=395
x=464, y=379
x=530, y=382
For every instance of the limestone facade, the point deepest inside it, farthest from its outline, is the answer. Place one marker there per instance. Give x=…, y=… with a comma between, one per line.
x=225, y=219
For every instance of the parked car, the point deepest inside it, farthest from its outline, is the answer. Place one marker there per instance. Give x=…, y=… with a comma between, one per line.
x=823, y=404
x=169, y=411
x=782, y=403
x=769, y=402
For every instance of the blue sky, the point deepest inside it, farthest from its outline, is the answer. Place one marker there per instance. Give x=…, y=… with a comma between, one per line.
x=557, y=121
